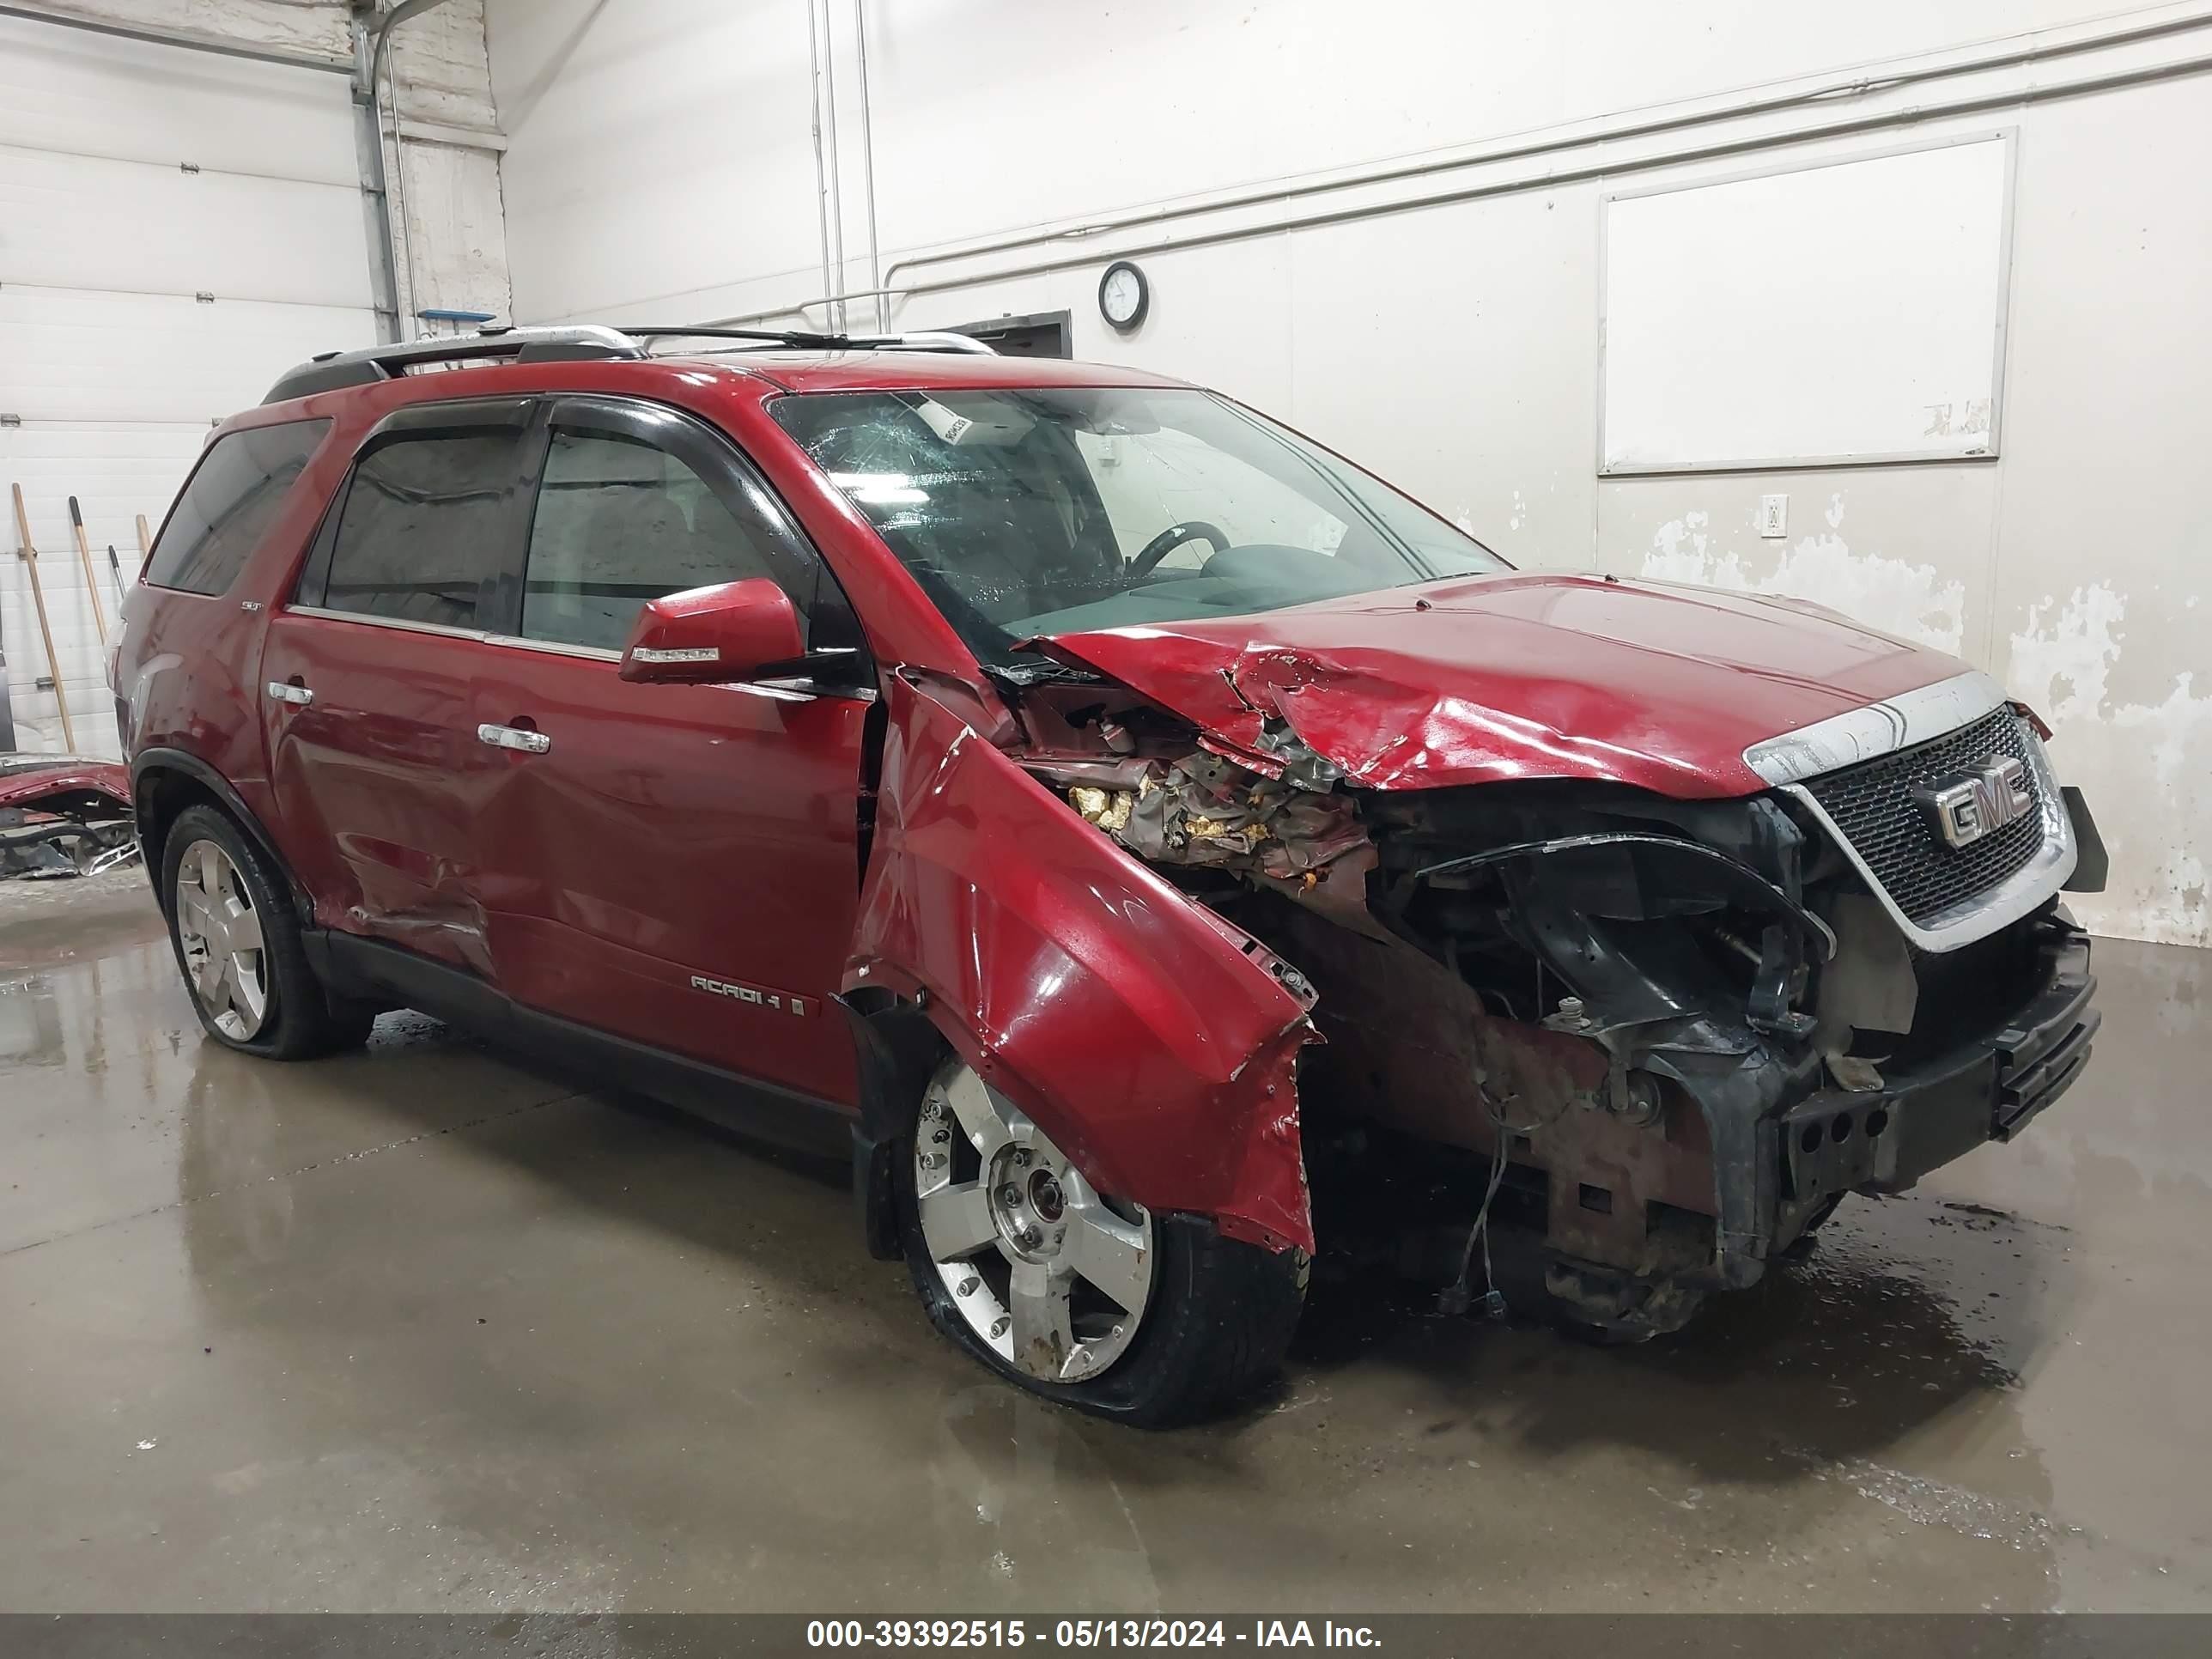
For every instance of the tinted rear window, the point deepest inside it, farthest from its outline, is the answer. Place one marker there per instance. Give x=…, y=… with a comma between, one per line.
x=227, y=505
x=422, y=534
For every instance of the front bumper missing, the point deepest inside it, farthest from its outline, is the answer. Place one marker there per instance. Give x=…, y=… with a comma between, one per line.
x=1800, y=1159
x=1986, y=1088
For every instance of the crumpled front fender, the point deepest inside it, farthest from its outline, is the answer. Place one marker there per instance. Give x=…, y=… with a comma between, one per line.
x=1155, y=1044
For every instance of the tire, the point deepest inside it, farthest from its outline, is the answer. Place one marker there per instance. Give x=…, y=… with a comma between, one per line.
x=263, y=999
x=1576, y=1329
x=1216, y=1315
x=1800, y=1247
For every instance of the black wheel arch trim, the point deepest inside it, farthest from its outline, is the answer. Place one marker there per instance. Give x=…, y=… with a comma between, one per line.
x=148, y=762
x=895, y=1050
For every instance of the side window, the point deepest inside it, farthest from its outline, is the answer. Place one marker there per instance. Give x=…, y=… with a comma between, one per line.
x=228, y=503
x=621, y=521
x=422, y=535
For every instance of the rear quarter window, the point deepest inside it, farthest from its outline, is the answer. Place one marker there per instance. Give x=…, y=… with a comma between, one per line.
x=422, y=534
x=228, y=504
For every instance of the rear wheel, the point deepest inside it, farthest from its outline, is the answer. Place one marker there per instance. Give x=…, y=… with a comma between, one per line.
x=1075, y=1294
x=238, y=946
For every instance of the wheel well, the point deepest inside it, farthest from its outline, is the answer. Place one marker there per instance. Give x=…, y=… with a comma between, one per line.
x=898, y=1050
x=157, y=796
x=160, y=794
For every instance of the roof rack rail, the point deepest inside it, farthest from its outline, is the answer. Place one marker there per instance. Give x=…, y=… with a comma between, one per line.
x=805, y=340
x=573, y=342
x=370, y=364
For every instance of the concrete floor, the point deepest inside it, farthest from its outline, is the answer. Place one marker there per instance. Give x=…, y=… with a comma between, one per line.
x=419, y=1329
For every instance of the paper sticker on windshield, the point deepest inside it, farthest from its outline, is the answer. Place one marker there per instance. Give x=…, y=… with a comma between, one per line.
x=975, y=419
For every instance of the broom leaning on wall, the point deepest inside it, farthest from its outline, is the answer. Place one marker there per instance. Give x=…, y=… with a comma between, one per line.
x=29, y=555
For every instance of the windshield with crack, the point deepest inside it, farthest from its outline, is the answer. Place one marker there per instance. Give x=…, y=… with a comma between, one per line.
x=1056, y=510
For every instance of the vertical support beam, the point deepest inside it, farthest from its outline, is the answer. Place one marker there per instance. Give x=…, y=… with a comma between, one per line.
x=840, y=321
x=368, y=152
x=832, y=284
x=868, y=168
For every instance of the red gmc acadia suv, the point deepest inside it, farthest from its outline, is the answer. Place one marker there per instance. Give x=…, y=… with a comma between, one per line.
x=1151, y=846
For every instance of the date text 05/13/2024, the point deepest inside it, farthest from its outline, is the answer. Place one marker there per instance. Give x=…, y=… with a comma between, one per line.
x=1085, y=1634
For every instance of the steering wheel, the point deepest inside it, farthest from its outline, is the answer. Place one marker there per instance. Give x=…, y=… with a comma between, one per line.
x=1172, y=537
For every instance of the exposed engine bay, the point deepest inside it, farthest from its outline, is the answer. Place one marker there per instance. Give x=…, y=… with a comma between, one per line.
x=1653, y=1042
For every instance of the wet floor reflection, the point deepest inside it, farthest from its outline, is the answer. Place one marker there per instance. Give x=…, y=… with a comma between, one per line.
x=1871, y=1337
x=420, y=1326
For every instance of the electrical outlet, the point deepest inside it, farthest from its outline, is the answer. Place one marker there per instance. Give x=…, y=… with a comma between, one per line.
x=1773, y=515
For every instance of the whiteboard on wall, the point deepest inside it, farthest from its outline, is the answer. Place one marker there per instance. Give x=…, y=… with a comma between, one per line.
x=1852, y=312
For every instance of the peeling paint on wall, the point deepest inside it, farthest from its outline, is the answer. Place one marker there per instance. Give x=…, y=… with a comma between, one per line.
x=1908, y=600
x=2060, y=667
x=2145, y=767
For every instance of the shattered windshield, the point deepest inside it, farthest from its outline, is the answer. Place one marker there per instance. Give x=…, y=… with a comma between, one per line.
x=1056, y=510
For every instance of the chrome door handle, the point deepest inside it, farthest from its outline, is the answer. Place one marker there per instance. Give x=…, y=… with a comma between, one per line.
x=299, y=696
x=513, y=737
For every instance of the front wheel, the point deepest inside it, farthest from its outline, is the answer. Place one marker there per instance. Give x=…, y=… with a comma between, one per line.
x=1076, y=1295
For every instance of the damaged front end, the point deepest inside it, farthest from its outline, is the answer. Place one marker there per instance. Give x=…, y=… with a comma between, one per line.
x=1747, y=1038
x=1155, y=1042
x=1650, y=1043
x=1201, y=812
x=63, y=815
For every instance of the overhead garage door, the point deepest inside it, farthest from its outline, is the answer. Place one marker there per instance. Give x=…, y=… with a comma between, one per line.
x=176, y=229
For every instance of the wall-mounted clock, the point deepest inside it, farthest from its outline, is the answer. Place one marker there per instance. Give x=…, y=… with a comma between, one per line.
x=1124, y=295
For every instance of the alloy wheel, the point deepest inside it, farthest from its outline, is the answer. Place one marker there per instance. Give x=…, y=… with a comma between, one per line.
x=225, y=962
x=1048, y=1272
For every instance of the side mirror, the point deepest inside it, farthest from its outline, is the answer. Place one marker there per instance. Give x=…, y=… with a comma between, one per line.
x=731, y=631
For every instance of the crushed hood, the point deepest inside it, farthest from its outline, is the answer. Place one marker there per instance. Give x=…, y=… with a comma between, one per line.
x=1521, y=676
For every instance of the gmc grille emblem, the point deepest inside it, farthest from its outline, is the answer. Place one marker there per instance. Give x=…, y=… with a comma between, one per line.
x=1965, y=806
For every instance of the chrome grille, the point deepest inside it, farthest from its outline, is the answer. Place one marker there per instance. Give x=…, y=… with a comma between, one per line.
x=1873, y=806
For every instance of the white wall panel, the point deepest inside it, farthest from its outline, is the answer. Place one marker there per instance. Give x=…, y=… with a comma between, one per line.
x=69, y=90
x=114, y=369
x=1138, y=100
x=2102, y=585
x=680, y=128
x=1227, y=328
x=73, y=355
x=1496, y=430
x=680, y=125
x=86, y=221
